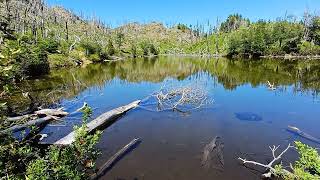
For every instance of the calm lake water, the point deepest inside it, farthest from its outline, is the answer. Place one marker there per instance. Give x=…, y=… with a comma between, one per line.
x=172, y=143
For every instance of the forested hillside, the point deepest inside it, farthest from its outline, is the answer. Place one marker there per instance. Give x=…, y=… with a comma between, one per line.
x=35, y=37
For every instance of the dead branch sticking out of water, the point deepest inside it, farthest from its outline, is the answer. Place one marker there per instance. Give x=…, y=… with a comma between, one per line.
x=176, y=98
x=270, y=166
x=99, y=122
x=297, y=131
x=115, y=158
x=271, y=86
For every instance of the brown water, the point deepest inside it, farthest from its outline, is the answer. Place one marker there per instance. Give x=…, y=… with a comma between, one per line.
x=172, y=143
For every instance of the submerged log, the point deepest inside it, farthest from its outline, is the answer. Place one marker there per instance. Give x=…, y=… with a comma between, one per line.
x=115, y=158
x=99, y=122
x=207, y=150
x=35, y=122
x=297, y=131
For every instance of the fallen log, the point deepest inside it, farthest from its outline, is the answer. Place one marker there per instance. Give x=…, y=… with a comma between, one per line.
x=115, y=158
x=17, y=118
x=35, y=122
x=297, y=131
x=52, y=112
x=99, y=122
x=207, y=150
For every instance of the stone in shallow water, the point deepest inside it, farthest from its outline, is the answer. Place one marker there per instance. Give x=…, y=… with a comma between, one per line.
x=248, y=116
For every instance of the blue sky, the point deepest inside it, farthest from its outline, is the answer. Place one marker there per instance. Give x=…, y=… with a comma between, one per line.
x=117, y=12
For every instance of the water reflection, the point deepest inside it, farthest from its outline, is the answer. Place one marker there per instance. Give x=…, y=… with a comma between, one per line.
x=302, y=75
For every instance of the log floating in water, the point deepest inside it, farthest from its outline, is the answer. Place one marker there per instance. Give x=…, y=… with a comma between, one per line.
x=99, y=122
x=303, y=134
x=51, y=112
x=115, y=158
x=35, y=122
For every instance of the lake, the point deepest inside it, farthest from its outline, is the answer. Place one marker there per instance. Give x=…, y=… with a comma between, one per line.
x=246, y=115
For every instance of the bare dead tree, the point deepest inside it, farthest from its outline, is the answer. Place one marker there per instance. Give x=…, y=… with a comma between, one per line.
x=270, y=165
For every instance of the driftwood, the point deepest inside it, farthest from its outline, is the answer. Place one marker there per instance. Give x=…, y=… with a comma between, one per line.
x=35, y=122
x=115, y=158
x=99, y=122
x=270, y=165
x=297, y=131
x=52, y=112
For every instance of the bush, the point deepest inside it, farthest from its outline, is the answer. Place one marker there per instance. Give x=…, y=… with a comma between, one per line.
x=94, y=58
x=49, y=45
x=145, y=48
x=22, y=160
x=153, y=50
x=90, y=48
x=110, y=48
x=134, y=51
x=308, y=48
x=59, y=60
x=24, y=59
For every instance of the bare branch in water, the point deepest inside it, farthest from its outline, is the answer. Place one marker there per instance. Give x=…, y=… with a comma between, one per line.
x=192, y=96
x=270, y=166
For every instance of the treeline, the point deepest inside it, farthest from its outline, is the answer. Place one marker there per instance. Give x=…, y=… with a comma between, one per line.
x=281, y=37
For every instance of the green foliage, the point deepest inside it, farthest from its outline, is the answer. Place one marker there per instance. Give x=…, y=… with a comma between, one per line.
x=148, y=48
x=309, y=160
x=59, y=60
x=119, y=39
x=110, y=48
x=90, y=47
x=145, y=48
x=234, y=22
x=182, y=27
x=315, y=30
x=20, y=59
x=21, y=159
x=49, y=45
x=71, y=162
x=152, y=49
x=265, y=38
x=308, y=48
x=134, y=50
x=306, y=167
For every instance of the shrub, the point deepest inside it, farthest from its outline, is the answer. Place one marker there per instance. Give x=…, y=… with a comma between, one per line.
x=49, y=45
x=145, y=48
x=308, y=48
x=90, y=47
x=59, y=60
x=110, y=48
x=22, y=160
x=134, y=51
x=94, y=58
x=153, y=50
